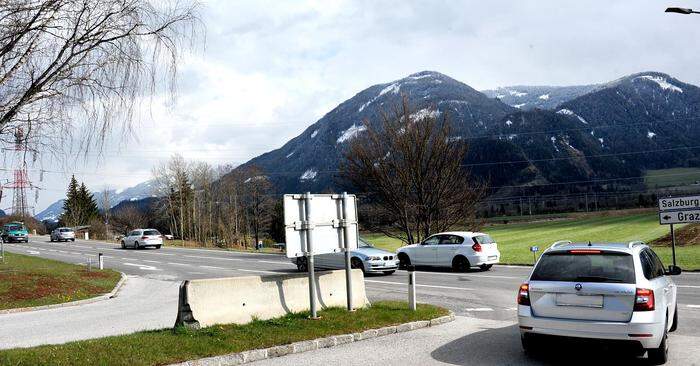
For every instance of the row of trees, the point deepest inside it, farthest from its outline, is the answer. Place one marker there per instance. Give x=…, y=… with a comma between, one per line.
x=216, y=205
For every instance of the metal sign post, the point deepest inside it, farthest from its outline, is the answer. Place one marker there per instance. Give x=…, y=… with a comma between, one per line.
x=346, y=247
x=2, y=250
x=411, y=287
x=308, y=226
x=673, y=245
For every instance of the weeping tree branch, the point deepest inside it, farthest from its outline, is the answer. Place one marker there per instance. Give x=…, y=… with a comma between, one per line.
x=66, y=64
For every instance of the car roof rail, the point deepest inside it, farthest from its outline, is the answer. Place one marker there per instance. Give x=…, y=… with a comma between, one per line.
x=560, y=243
x=634, y=243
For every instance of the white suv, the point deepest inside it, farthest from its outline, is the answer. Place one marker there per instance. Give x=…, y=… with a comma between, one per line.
x=459, y=250
x=607, y=291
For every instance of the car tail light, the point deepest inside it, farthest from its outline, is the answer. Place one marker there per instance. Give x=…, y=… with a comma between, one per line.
x=644, y=300
x=524, y=295
x=476, y=247
x=144, y=237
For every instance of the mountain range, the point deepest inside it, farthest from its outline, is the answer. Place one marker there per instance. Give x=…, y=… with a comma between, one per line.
x=526, y=135
x=116, y=196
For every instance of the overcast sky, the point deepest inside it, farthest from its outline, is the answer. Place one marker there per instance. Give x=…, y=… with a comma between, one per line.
x=270, y=69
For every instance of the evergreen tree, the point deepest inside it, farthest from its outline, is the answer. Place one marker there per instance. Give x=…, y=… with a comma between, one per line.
x=80, y=206
x=71, y=209
x=88, y=205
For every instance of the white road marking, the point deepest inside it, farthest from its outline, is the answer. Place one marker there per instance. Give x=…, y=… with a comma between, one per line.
x=146, y=260
x=258, y=271
x=205, y=257
x=693, y=306
x=478, y=309
x=196, y=273
x=402, y=284
x=465, y=274
x=33, y=252
x=141, y=266
x=687, y=286
x=277, y=262
x=511, y=309
x=179, y=264
x=211, y=267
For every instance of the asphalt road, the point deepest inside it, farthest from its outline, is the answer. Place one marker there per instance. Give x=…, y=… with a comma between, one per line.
x=487, y=296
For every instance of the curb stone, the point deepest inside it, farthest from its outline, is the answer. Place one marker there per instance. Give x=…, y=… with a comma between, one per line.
x=305, y=346
x=110, y=295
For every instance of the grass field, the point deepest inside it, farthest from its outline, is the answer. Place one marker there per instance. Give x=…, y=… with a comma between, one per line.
x=169, y=346
x=30, y=281
x=514, y=240
x=671, y=177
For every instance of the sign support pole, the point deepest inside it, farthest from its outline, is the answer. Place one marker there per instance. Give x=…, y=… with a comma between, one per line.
x=673, y=245
x=2, y=250
x=346, y=237
x=308, y=226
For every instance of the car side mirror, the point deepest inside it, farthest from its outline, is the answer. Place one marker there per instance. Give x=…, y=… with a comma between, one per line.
x=673, y=270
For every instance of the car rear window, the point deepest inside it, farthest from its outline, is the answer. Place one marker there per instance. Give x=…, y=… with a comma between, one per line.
x=597, y=267
x=66, y=230
x=483, y=239
x=151, y=232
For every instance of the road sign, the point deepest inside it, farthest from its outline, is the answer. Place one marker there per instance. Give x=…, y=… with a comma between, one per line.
x=318, y=224
x=679, y=217
x=325, y=224
x=679, y=203
x=534, y=249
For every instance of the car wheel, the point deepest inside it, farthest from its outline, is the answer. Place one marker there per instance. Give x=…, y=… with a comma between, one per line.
x=486, y=267
x=356, y=263
x=659, y=356
x=51, y=240
x=157, y=246
x=136, y=245
x=123, y=244
x=674, y=325
x=388, y=273
x=529, y=343
x=302, y=264
x=72, y=239
x=404, y=261
x=460, y=264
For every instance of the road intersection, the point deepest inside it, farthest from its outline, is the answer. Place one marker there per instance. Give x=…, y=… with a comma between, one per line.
x=485, y=297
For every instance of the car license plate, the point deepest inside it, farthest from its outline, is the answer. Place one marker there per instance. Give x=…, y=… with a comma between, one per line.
x=493, y=257
x=587, y=301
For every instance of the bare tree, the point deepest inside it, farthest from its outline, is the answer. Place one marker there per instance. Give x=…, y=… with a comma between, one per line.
x=128, y=218
x=410, y=168
x=69, y=63
x=257, y=199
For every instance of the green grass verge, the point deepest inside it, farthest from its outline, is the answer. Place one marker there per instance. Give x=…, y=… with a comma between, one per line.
x=27, y=281
x=514, y=240
x=671, y=177
x=169, y=346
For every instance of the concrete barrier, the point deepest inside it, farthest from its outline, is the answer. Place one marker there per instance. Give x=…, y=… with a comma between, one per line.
x=241, y=299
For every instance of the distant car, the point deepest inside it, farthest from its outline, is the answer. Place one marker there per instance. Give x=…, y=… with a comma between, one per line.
x=14, y=232
x=63, y=234
x=169, y=237
x=617, y=292
x=366, y=257
x=459, y=250
x=141, y=238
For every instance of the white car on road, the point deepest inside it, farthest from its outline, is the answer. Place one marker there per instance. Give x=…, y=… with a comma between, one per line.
x=617, y=292
x=141, y=238
x=459, y=250
x=63, y=234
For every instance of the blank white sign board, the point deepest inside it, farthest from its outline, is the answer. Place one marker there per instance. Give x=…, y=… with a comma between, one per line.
x=326, y=215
